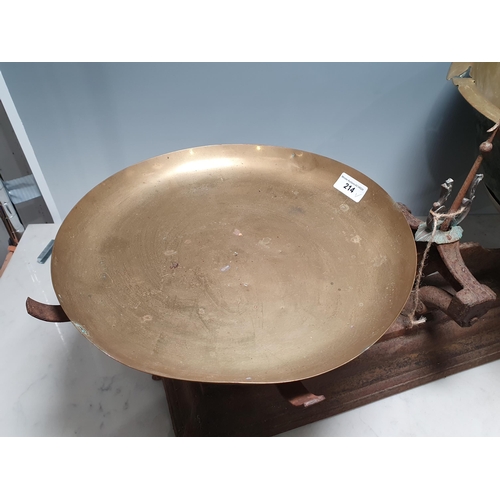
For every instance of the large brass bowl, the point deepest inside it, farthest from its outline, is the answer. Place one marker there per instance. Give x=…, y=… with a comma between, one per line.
x=233, y=263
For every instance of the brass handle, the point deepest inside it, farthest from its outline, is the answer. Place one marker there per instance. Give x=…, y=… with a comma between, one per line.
x=297, y=395
x=46, y=312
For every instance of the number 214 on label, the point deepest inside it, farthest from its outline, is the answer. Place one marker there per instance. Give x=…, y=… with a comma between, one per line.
x=350, y=187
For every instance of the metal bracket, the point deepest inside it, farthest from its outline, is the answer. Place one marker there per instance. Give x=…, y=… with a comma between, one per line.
x=471, y=300
x=297, y=395
x=9, y=215
x=46, y=312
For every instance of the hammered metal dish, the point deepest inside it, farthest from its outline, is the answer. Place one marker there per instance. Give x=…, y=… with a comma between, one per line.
x=234, y=264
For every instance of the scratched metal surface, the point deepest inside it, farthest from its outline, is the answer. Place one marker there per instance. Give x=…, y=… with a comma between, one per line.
x=233, y=263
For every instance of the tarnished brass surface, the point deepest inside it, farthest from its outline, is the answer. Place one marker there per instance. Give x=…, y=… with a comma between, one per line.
x=233, y=263
x=481, y=88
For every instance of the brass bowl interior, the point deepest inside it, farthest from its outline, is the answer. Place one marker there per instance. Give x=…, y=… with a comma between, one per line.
x=233, y=264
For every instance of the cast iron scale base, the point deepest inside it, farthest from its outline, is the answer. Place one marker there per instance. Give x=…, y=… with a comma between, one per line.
x=458, y=296
x=405, y=357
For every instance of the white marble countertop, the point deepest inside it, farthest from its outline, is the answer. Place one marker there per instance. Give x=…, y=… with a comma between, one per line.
x=56, y=383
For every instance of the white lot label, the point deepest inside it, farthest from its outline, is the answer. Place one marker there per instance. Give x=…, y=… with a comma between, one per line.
x=350, y=187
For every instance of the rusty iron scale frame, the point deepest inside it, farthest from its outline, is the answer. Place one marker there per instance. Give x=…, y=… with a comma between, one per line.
x=459, y=299
x=404, y=358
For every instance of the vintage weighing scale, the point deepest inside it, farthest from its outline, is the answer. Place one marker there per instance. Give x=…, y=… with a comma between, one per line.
x=269, y=287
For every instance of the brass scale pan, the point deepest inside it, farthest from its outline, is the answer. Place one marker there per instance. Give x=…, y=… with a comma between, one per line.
x=234, y=264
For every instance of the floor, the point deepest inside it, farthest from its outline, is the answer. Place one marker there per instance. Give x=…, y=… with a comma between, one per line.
x=56, y=383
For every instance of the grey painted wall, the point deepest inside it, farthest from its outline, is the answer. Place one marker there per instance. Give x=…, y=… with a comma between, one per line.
x=402, y=124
